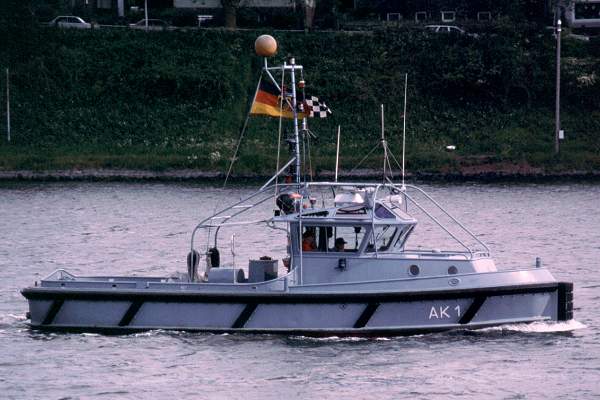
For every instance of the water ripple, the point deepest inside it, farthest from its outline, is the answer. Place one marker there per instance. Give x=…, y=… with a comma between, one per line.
x=102, y=229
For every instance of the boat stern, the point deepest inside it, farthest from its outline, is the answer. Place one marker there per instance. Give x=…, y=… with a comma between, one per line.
x=564, y=308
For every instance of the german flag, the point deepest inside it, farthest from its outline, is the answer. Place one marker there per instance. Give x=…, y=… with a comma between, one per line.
x=268, y=102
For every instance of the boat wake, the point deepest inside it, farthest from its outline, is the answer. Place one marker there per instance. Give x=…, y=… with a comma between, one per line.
x=337, y=339
x=11, y=319
x=537, y=327
x=527, y=328
x=9, y=323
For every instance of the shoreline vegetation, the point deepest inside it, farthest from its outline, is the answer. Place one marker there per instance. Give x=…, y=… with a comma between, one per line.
x=490, y=175
x=134, y=105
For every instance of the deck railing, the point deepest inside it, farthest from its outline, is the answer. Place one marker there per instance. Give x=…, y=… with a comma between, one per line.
x=224, y=217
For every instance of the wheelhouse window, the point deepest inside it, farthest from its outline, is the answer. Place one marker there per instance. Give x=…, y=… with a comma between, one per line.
x=388, y=238
x=336, y=239
x=316, y=238
x=382, y=238
x=403, y=237
x=382, y=212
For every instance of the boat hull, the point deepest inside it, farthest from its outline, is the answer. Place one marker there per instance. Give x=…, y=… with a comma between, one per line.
x=313, y=314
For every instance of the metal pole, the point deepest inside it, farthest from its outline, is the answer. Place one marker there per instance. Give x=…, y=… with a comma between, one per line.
x=295, y=113
x=146, y=13
x=7, y=106
x=383, y=143
x=404, y=126
x=557, y=111
x=337, y=155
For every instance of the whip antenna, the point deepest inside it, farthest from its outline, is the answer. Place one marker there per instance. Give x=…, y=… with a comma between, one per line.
x=404, y=127
x=383, y=141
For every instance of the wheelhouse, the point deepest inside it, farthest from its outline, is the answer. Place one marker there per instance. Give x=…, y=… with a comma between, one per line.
x=353, y=229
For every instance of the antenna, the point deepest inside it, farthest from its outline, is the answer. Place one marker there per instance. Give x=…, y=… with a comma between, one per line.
x=383, y=143
x=404, y=127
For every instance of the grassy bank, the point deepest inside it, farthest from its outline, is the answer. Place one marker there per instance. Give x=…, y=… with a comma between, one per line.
x=177, y=100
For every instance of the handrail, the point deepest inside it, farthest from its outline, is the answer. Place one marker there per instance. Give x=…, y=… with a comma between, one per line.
x=258, y=221
x=278, y=173
x=243, y=210
x=266, y=191
x=62, y=273
x=450, y=216
x=230, y=207
x=440, y=224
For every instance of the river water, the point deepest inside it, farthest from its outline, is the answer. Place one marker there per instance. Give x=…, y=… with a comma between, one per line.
x=143, y=229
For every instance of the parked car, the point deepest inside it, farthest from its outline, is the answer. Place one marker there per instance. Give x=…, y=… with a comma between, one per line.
x=453, y=29
x=153, y=24
x=69, y=21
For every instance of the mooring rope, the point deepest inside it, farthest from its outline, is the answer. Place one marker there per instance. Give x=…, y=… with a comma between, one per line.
x=237, y=148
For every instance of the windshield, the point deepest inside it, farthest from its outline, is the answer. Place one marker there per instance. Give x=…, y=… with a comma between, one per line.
x=328, y=239
x=382, y=238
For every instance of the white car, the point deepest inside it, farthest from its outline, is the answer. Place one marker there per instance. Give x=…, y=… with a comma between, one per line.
x=69, y=21
x=153, y=25
x=449, y=29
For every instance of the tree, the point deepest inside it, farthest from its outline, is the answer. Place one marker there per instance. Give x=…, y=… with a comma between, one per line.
x=230, y=10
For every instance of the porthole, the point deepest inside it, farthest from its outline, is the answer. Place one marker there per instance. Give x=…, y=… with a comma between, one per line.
x=414, y=270
x=452, y=270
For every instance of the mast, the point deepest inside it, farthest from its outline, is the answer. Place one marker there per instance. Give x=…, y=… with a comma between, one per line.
x=266, y=46
x=297, y=172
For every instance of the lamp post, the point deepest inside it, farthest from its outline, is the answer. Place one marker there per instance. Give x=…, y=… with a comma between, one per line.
x=7, y=106
x=557, y=111
x=146, y=14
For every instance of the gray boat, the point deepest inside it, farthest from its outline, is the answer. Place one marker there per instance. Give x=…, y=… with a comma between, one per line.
x=342, y=261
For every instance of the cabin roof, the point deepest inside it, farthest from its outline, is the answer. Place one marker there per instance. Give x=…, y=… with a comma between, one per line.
x=355, y=214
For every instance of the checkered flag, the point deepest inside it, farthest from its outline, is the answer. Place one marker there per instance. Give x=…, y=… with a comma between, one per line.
x=316, y=108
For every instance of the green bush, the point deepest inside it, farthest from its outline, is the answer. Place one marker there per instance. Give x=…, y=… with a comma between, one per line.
x=139, y=99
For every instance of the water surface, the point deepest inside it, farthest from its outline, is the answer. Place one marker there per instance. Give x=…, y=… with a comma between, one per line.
x=144, y=229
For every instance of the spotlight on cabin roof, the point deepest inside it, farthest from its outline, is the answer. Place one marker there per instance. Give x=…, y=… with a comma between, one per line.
x=265, y=46
x=450, y=148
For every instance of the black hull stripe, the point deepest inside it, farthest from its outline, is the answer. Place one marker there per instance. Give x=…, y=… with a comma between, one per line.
x=54, y=309
x=279, y=297
x=366, y=315
x=130, y=313
x=472, y=310
x=244, y=316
